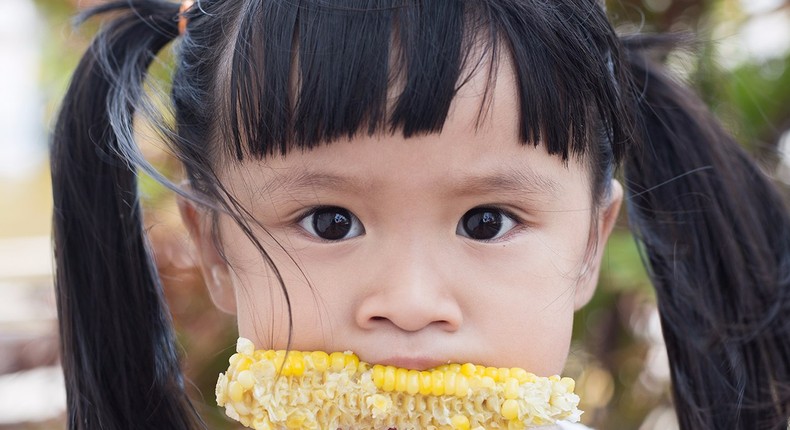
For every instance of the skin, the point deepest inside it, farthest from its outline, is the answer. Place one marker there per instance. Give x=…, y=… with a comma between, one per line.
x=409, y=290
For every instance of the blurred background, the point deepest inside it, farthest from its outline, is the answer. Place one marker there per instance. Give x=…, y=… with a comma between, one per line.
x=740, y=66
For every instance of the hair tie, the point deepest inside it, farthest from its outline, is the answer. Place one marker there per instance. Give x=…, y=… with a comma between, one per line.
x=182, y=18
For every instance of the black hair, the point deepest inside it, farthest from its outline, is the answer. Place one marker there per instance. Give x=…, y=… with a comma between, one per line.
x=269, y=77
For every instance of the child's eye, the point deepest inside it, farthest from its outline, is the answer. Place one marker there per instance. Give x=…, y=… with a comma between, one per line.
x=332, y=223
x=485, y=224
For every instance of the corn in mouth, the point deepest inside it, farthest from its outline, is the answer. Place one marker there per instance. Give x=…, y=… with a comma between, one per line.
x=317, y=390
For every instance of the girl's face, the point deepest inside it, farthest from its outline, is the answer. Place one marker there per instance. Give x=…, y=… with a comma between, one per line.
x=463, y=246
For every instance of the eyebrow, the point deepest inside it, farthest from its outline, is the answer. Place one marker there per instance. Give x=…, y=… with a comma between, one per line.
x=507, y=181
x=510, y=181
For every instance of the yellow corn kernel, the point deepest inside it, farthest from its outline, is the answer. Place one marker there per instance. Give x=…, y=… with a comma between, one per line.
x=296, y=363
x=510, y=409
x=449, y=382
x=378, y=375
x=401, y=379
x=246, y=379
x=275, y=390
x=461, y=385
x=487, y=382
x=569, y=384
x=413, y=382
x=460, y=422
x=279, y=360
x=235, y=391
x=320, y=360
x=426, y=386
x=245, y=346
x=351, y=360
x=521, y=375
x=468, y=369
x=511, y=388
x=337, y=361
x=389, y=379
x=437, y=382
x=243, y=364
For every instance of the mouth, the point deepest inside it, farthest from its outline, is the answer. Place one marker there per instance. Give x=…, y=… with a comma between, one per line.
x=414, y=363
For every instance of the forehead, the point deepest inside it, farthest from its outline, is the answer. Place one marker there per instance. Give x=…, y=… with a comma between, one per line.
x=478, y=151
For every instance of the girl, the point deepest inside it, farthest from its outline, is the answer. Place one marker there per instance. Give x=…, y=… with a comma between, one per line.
x=416, y=181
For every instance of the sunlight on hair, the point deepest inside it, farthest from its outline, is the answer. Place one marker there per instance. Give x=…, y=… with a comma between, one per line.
x=783, y=172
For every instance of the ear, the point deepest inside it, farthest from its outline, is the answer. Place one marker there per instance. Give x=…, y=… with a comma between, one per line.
x=216, y=273
x=607, y=218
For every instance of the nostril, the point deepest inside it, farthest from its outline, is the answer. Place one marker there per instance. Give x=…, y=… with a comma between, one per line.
x=408, y=311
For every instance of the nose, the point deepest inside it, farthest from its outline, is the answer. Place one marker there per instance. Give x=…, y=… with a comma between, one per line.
x=411, y=291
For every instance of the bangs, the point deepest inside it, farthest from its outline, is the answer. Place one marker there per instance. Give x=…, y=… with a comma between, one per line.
x=303, y=73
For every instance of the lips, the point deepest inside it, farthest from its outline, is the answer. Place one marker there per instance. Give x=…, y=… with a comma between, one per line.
x=414, y=363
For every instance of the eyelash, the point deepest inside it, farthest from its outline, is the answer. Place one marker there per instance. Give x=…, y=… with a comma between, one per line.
x=518, y=223
x=312, y=211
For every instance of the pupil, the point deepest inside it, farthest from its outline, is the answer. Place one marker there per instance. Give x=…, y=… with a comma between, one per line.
x=332, y=223
x=482, y=224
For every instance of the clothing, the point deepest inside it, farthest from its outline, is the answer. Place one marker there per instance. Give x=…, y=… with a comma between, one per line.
x=561, y=425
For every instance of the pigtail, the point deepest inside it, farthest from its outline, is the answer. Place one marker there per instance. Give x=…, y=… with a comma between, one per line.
x=716, y=240
x=117, y=342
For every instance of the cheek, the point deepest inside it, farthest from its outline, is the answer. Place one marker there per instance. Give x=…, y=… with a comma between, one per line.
x=535, y=335
x=530, y=328
x=540, y=265
x=262, y=307
x=523, y=301
x=265, y=317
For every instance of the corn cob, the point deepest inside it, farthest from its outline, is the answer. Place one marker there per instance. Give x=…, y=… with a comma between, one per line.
x=316, y=390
